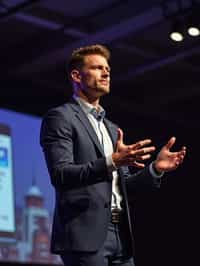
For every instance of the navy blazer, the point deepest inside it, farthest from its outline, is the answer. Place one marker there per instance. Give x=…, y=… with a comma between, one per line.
x=83, y=188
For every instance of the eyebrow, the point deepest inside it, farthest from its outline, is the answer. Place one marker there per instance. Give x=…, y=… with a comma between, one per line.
x=99, y=65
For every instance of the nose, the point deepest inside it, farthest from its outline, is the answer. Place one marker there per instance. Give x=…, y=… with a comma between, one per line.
x=105, y=72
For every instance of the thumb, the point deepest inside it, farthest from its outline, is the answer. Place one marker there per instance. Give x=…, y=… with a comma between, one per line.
x=170, y=143
x=120, y=135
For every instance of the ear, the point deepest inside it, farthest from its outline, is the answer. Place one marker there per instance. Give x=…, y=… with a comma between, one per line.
x=75, y=76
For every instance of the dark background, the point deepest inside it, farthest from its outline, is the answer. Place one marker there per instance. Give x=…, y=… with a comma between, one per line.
x=155, y=93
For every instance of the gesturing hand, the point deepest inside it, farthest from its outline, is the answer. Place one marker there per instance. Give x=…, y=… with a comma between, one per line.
x=166, y=160
x=131, y=155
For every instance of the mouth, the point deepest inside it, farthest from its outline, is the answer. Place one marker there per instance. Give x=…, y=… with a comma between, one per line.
x=104, y=82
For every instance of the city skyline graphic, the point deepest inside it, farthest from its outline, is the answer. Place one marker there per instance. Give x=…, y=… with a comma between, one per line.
x=33, y=193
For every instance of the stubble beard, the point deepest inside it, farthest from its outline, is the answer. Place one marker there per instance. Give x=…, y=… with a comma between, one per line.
x=103, y=90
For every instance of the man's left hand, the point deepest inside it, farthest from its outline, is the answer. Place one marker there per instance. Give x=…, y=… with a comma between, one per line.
x=166, y=160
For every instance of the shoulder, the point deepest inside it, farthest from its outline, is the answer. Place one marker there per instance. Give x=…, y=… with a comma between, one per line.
x=64, y=111
x=59, y=117
x=58, y=121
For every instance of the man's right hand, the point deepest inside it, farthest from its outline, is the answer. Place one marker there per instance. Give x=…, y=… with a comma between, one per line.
x=131, y=155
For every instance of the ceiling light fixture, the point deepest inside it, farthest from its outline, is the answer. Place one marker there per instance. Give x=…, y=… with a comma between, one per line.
x=193, y=31
x=193, y=25
x=177, y=31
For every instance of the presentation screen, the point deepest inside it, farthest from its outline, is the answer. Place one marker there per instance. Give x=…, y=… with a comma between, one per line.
x=26, y=195
x=7, y=217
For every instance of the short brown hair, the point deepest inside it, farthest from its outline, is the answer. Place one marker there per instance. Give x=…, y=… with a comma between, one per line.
x=78, y=55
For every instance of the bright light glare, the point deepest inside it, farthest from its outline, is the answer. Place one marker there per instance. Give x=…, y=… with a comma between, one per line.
x=176, y=36
x=193, y=31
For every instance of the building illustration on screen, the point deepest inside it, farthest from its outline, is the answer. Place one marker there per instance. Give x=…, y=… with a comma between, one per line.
x=33, y=231
x=3, y=157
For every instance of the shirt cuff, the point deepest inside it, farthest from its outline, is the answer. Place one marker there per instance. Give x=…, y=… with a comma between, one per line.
x=154, y=173
x=110, y=164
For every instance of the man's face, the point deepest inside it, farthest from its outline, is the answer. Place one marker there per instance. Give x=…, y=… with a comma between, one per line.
x=95, y=76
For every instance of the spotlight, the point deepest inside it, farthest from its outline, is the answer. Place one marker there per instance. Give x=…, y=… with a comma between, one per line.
x=193, y=31
x=177, y=32
x=176, y=36
x=193, y=27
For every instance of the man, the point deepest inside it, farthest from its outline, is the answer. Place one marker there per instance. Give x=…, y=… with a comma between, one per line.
x=88, y=165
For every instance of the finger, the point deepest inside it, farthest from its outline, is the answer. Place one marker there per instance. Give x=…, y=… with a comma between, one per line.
x=177, y=163
x=143, y=151
x=143, y=157
x=141, y=143
x=182, y=154
x=181, y=158
x=170, y=143
x=138, y=165
x=120, y=135
x=183, y=150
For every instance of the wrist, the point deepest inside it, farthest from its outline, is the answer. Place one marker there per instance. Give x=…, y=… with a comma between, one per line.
x=157, y=170
x=115, y=159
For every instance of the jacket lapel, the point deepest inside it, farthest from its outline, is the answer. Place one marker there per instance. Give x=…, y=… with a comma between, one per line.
x=112, y=130
x=86, y=123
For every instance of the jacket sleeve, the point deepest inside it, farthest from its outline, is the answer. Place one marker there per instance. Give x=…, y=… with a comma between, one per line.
x=56, y=139
x=141, y=180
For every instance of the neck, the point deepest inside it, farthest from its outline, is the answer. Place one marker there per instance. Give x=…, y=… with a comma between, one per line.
x=88, y=98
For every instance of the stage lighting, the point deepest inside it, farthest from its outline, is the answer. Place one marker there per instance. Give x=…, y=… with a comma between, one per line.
x=177, y=31
x=193, y=31
x=176, y=36
x=193, y=27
